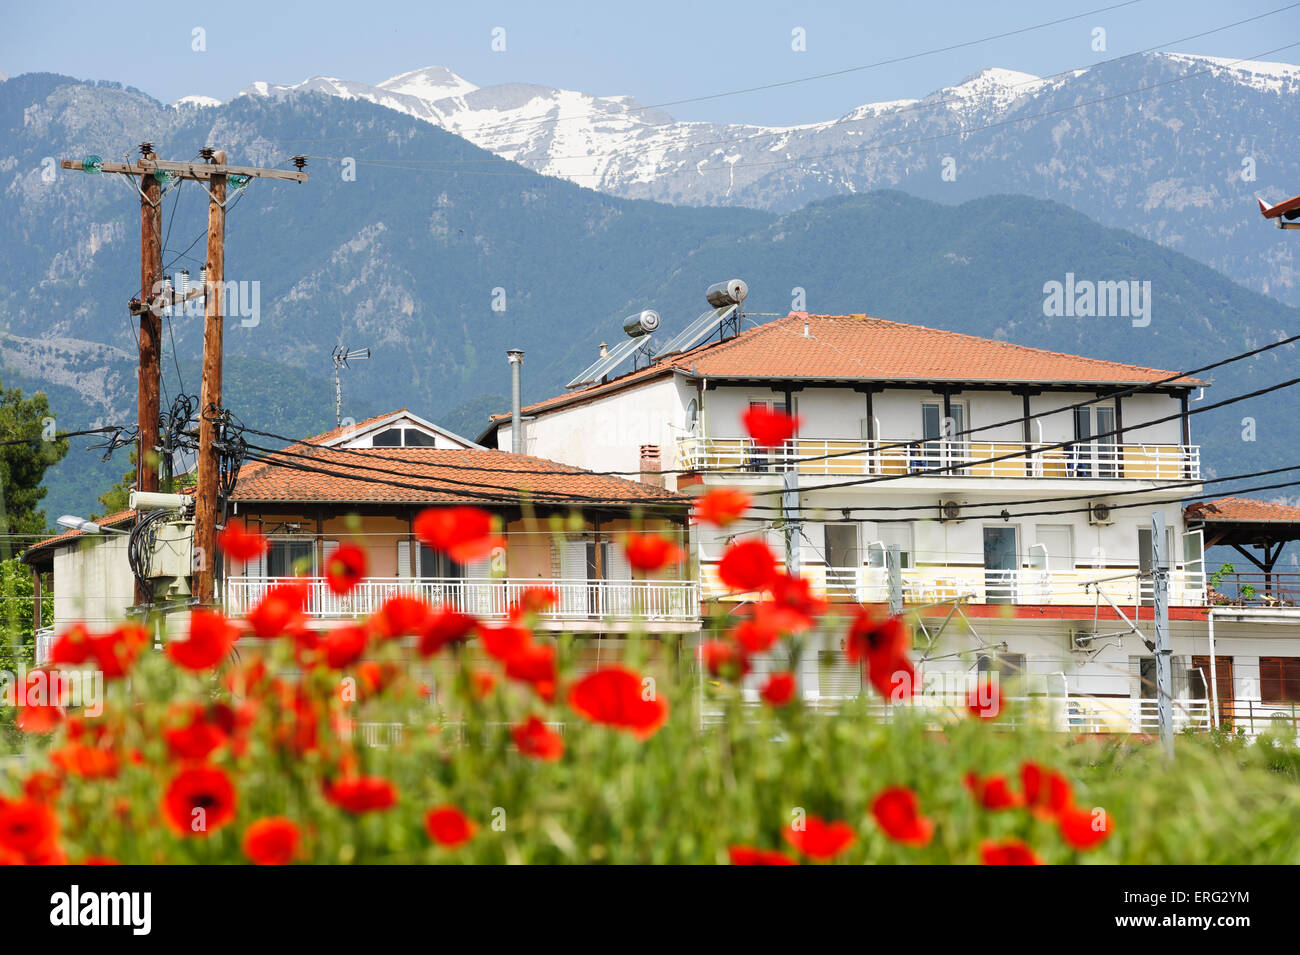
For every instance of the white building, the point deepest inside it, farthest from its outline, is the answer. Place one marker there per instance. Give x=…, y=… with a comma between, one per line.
x=1018, y=486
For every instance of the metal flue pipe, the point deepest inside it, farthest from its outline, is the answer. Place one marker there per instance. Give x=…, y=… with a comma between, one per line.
x=516, y=358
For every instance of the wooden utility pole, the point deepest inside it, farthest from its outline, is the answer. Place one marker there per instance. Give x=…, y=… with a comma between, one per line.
x=214, y=174
x=149, y=375
x=205, y=503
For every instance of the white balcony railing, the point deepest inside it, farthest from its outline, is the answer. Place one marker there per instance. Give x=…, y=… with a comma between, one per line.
x=926, y=585
x=1084, y=460
x=674, y=601
x=44, y=644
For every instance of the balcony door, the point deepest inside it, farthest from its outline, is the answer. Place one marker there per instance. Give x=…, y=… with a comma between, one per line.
x=769, y=459
x=1094, y=452
x=843, y=557
x=1001, y=562
x=945, y=441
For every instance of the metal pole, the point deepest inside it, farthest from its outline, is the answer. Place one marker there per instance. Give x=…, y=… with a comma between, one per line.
x=894, y=574
x=516, y=358
x=790, y=507
x=1214, y=674
x=1164, y=672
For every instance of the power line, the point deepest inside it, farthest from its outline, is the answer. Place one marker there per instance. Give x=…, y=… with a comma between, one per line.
x=909, y=443
x=927, y=104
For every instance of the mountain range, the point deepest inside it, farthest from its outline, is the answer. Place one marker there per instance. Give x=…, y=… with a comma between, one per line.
x=439, y=255
x=1173, y=147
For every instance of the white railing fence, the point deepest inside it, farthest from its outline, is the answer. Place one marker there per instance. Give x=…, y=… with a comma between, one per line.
x=487, y=597
x=997, y=459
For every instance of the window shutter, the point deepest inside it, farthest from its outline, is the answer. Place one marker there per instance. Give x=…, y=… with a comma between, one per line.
x=404, y=558
x=327, y=551
x=617, y=566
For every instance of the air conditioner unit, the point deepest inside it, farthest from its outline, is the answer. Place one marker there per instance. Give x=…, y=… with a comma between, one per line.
x=1081, y=640
x=950, y=510
x=1100, y=514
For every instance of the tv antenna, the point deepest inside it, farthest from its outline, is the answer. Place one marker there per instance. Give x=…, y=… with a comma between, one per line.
x=341, y=356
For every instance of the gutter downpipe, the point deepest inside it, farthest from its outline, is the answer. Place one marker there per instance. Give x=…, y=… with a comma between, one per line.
x=1214, y=675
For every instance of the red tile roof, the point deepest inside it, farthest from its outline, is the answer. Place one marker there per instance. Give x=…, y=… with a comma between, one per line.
x=432, y=475
x=861, y=348
x=357, y=428
x=112, y=520
x=1243, y=510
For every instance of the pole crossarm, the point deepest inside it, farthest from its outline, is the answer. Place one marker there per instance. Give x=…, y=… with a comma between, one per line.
x=187, y=170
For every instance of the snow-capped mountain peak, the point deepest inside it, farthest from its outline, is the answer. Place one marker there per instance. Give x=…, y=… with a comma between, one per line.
x=431, y=83
x=196, y=102
x=1258, y=74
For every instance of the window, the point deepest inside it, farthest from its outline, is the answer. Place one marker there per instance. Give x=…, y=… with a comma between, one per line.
x=403, y=437
x=1279, y=679
x=1058, y=541
x=887, y=535
x=389, y=438
x=945, y=440
x=1010, y=666
x=419, y=439
x=434, y=563
x=285, y=554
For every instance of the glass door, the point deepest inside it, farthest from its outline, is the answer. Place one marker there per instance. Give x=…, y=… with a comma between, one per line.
x=1001, y=563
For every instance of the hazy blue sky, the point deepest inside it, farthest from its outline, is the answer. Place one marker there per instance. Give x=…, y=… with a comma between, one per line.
x=657, y=52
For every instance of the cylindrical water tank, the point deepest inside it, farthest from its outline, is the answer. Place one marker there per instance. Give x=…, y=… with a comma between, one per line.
x=642, y=323
x=730, y=292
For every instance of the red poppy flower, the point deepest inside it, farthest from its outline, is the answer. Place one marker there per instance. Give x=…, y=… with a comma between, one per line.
x=280, y=611
x=85, y=760
x=818, y=839
x=210, y=639
x=723, y=659
x=449, y=827
x=39, y=709
x=361, y=794
x=793, y=607
x=757, y=634
x=198, y=736
x=482, y=683
x=42, y=786
x=779, y=688
x=72, y=647
x=465, y=534
x=401, y=616
x=747, y=565
x=538, y=741
x=1047, y=792
x=985, y=699
x=29, y=830
x=345, y=568
x=1084, y=828
x=272, y=841
x=769, y=428
x=616, y=696
x=506, y=641
x=898, y=813
x=343, y=646
x=115, y=652
x=651, y=552
x=721, y=506
x=993, y=792
x=748, y=855
x=534, y=664
x=239, y=543
x=373, y=676
x=532, y=600
x=199, y=801
x=444, y=626
x=1008, y=852
x=881, y=646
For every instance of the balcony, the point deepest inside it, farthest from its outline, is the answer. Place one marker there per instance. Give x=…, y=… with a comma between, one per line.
x=828, y=458
x=1256, y=590
x=930, y=585
x=662, y=604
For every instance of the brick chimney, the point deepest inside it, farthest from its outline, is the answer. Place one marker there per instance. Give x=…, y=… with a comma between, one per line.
x=651, y=465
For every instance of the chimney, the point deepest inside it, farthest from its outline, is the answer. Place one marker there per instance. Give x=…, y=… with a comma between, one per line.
x=651, y=468
x=516, y=358
x=603, y=350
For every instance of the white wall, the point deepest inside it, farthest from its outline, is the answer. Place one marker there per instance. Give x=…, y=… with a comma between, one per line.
x=92, y=582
